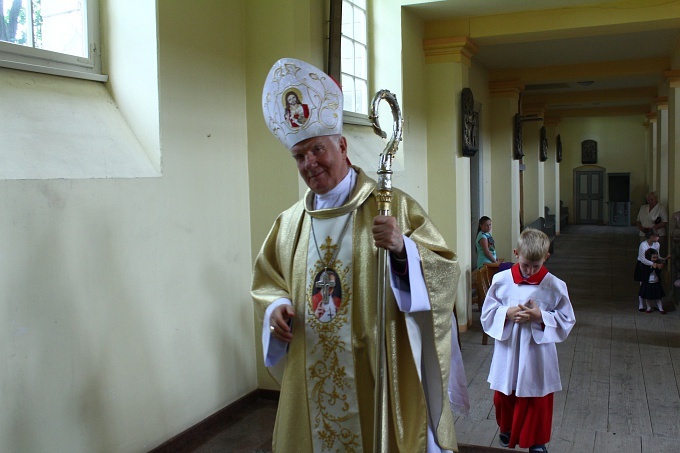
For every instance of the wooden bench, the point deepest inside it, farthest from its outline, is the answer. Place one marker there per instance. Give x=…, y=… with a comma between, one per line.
x=540, y=224
x=549, y=219
x=564, y=215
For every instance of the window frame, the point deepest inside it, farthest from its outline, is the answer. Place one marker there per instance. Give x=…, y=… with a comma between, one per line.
x=25, y=58
x=335, y=58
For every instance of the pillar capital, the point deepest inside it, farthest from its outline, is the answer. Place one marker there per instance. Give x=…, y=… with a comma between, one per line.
x=444, y=50
x=660, y=102
x=506, y=89
x=672, y=78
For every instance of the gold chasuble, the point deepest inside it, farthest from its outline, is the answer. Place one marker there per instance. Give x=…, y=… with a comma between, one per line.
x=327, y=388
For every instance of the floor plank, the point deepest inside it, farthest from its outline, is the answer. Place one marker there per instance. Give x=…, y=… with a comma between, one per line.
x=661, y=385
x=567, y=440
x=628, y=408
x=607, y=442
x=586, y=405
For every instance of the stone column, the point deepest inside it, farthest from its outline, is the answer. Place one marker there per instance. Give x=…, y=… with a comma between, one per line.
x=650, y=150
x=447, y=72
x=533, y=172
x=673, y=80
x=551, y=171
x=660, y=163
x=673, y=204
x=504, y=168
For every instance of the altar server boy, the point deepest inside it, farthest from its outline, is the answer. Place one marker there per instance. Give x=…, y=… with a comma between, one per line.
x=526, y=311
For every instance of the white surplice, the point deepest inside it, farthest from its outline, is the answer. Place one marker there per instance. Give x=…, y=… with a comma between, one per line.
x=525, y=356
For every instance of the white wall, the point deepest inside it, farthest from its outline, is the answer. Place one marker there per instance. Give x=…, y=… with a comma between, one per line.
x=125, y=309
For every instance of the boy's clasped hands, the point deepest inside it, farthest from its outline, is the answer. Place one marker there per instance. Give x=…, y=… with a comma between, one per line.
x=524, y=313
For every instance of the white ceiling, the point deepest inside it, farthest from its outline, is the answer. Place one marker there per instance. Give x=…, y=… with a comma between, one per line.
x=439, y=9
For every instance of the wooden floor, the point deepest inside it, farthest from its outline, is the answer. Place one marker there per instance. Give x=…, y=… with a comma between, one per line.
x=620, y=368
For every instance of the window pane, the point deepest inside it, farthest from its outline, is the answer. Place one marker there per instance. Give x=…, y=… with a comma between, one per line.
x=360, y=61
x=347, y=56
x=347, y=19
x=60, y=26
x=51, y=36
x=54, y=25
x=361, y=96
x=359, y=26
x=13, y=26
x=348, y=92
x=354, y=56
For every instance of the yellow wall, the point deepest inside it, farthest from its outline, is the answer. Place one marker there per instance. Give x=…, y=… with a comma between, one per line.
x=620, y=149
x=415, y=107
x=125, y=309
x=294, y=30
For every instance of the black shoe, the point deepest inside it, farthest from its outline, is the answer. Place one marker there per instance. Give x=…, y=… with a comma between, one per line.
x=641, y=309
x=504, y=439
x=538, y=449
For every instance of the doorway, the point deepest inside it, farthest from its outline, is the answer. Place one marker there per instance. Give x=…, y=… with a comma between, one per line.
x=589, y=195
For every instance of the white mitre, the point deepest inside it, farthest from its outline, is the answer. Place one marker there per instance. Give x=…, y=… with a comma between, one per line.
x=300, y=101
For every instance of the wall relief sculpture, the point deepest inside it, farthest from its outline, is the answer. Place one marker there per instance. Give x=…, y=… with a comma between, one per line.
x=558, y=152
x=470, y=123
x=517, y=152
x=543, y=154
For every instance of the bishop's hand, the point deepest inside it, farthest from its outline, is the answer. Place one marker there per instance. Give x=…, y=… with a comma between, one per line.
x=281, y=321
x=387, y=235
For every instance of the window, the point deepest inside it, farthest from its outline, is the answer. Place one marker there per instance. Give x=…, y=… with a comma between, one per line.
x=354, y=56
x=51, y=36
x=348, y=55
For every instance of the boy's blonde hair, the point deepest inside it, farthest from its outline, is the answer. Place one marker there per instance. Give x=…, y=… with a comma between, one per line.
x=533, y=245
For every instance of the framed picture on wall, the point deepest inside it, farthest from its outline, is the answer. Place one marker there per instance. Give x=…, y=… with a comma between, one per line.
x=588, y=152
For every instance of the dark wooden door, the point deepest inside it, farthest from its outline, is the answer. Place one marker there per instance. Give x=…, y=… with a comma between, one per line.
x=588, y=196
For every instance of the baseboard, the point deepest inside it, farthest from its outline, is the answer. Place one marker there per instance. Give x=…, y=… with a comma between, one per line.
x=195, y=436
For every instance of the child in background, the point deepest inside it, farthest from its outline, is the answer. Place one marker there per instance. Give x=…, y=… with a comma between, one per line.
x=651, y=242
x=526, y=311
x=651, y=289
x=486, y=246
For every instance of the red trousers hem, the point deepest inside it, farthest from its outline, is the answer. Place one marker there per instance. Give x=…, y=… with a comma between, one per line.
x=527, y=419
